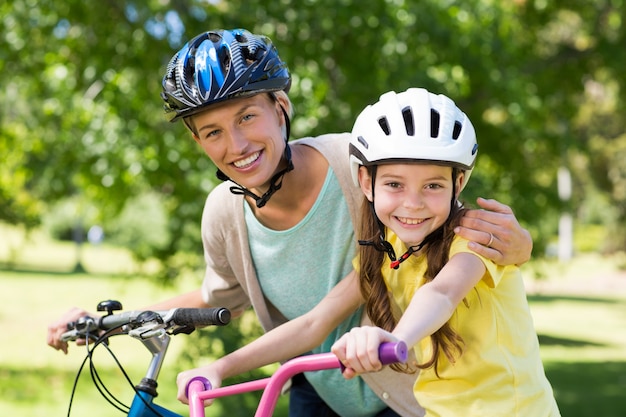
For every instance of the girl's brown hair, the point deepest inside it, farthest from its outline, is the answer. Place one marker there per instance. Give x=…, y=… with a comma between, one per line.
x=374, y=290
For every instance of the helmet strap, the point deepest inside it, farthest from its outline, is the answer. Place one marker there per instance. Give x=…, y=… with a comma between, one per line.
x=381, y=244
x=277, y=180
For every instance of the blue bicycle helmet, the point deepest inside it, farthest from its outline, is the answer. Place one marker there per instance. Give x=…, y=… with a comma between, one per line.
x=219, y=65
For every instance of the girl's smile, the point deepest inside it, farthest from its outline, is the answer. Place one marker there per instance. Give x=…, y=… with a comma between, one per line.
x=409, y=221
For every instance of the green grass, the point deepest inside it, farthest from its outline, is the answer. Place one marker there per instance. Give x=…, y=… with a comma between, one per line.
x=583, y=343
x=36, y=378
x=583, y=337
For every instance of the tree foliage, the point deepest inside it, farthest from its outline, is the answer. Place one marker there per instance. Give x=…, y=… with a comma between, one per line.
x=81, y=116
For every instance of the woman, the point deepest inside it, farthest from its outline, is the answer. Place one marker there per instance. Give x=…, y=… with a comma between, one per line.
x=278, y=233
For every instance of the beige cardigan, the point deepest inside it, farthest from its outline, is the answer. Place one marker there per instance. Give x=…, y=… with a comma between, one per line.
x=230, y=279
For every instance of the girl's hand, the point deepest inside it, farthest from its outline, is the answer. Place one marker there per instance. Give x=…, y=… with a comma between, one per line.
x=358, y=349
x=183, y=379
x=495, y=233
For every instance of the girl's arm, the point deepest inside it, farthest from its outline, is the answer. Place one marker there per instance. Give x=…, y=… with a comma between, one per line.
x=432, y=304
x=286, y=341
x=430, y=308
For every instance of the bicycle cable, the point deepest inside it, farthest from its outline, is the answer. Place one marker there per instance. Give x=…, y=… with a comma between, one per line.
x=97, y=380
x=99, y=384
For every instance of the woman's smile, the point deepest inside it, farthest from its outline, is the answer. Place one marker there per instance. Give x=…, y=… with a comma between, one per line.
x=247, y=161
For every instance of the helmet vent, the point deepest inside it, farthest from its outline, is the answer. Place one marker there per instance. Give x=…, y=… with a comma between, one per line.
x=384, y=125
x=434, y=123
x=362, y=141
x=457, y=130
x=407, y=115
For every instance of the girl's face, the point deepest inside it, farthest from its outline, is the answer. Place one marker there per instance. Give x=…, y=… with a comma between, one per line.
x=243, y=137
x=413, y=200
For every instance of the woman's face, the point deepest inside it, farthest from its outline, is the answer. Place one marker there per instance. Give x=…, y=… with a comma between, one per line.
x=413, y=200
x=244, y=138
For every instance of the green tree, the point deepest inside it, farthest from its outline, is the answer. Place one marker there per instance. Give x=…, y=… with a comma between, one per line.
x=81, y=113
x=81, y=118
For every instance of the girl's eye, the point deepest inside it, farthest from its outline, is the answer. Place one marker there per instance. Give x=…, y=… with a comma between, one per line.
x=434, y=186
x=247, y=117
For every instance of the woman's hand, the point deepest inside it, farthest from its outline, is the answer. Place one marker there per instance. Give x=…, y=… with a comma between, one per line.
x=184, y=377
x=358, y=349
x=56, y=329
x=495, y=233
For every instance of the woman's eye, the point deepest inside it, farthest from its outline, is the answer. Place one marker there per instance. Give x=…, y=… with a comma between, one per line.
x=211, y=135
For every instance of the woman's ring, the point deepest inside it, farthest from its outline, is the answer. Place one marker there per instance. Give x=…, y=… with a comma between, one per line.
x=490, y=240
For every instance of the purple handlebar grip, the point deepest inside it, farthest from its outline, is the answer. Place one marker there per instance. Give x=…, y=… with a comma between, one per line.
x=392, y=352
x=205, y=382
x=389, y=352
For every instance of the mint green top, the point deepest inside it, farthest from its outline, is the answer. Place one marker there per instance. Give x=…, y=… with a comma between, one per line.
x=323, y=255
x=231, y=279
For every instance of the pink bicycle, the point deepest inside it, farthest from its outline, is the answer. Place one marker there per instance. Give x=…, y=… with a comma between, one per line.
x=199, y=388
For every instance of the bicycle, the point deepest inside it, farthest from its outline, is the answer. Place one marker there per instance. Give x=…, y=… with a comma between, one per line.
x=154, y=329
x=199, y=388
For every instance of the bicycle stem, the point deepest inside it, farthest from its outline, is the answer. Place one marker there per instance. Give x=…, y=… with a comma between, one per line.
x=158, y=347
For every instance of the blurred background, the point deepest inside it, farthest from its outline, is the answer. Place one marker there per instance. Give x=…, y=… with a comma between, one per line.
x=100, y=197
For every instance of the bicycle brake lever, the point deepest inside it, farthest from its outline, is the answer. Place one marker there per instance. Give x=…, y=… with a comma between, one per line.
x=174, y=330
x=146, y=332
x=151, y=324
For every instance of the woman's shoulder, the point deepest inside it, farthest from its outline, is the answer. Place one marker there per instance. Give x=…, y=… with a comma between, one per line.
x=329, y=143
x=333, y=147
x=221, y=202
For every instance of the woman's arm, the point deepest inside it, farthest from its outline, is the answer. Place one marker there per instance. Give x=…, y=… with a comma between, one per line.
x=511, y=243
x=430, y=308
x=292, y=338
x=191, y=299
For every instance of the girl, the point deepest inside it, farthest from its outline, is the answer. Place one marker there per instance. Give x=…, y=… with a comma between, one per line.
x=467, y=318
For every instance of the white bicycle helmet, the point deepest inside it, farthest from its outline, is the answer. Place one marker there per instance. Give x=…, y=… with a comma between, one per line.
x=414, y=125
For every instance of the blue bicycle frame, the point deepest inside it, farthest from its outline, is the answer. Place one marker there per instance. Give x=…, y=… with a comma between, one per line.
x=139, y=408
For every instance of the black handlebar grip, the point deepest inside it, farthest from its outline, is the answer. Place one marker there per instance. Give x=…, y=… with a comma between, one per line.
x=199, y=317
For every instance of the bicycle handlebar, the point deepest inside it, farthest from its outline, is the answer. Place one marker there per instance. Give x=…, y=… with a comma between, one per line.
x=200, y=317
x=199, y=388
x=153, y=329
x=174, y=321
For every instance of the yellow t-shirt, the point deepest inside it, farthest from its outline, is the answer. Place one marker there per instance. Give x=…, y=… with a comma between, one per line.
x=500, y=372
